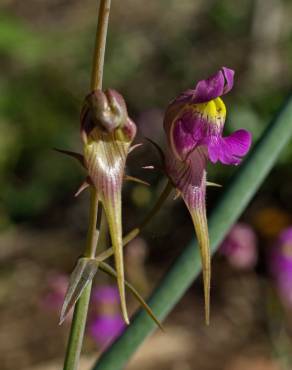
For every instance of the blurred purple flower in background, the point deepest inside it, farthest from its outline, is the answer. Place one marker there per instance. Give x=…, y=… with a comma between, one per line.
x=280, y=265
x=106, y=321
x=240, y=247
x=53, y=298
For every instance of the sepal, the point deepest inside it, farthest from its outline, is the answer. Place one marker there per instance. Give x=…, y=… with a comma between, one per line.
x=83, y=186
x=83, y=274
x=79, y=157
x=135, y=179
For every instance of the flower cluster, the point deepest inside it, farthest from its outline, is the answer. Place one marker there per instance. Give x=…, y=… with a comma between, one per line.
x=193, y=123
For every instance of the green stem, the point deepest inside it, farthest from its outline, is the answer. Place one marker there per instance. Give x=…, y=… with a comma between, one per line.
x=93, y=233
x=81, y=309
x=187, y=266
x=77, y=330
x=100, y=42
x=80, y=312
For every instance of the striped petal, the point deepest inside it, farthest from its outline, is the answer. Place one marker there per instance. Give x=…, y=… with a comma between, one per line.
x=105, y=160
x=107, y=133
x=189, y=178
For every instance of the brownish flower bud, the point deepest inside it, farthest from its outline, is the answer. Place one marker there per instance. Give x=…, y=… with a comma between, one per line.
x=106, y=111
x=107, y=133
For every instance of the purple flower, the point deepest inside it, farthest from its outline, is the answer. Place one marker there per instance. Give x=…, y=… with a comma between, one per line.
x=105, y=294
x=280, y=265
x=196, y=119
x=194, y=123
x=106, y=323
x=240, y=247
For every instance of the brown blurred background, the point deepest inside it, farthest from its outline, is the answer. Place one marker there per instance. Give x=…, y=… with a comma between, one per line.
x=155, y=50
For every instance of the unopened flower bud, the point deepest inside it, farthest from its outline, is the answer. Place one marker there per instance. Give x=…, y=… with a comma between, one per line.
x=107, y=133
x=107, y=112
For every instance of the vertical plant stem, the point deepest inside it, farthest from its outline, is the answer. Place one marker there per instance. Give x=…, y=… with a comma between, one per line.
x=77, y=330
x=81, y=309
x=100, y=42
x=80, y=312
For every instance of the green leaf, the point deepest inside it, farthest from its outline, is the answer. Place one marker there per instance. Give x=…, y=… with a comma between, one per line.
x=82, y=274
x=187, y=266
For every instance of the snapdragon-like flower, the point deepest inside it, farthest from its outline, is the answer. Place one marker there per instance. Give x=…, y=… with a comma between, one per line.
x=194, y=123
x=107, y=133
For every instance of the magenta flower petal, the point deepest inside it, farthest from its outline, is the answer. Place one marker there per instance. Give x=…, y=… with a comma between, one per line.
x=105, y=329
x=210, y=88
x=187, y=134
x=229, y=79
x=214, y=86
x=230, y=149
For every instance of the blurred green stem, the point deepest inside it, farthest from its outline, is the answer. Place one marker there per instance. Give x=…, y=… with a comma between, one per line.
x=80, y=312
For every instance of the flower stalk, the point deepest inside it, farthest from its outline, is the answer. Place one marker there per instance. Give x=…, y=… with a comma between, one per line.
x=100, y=43
x=80, y=312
